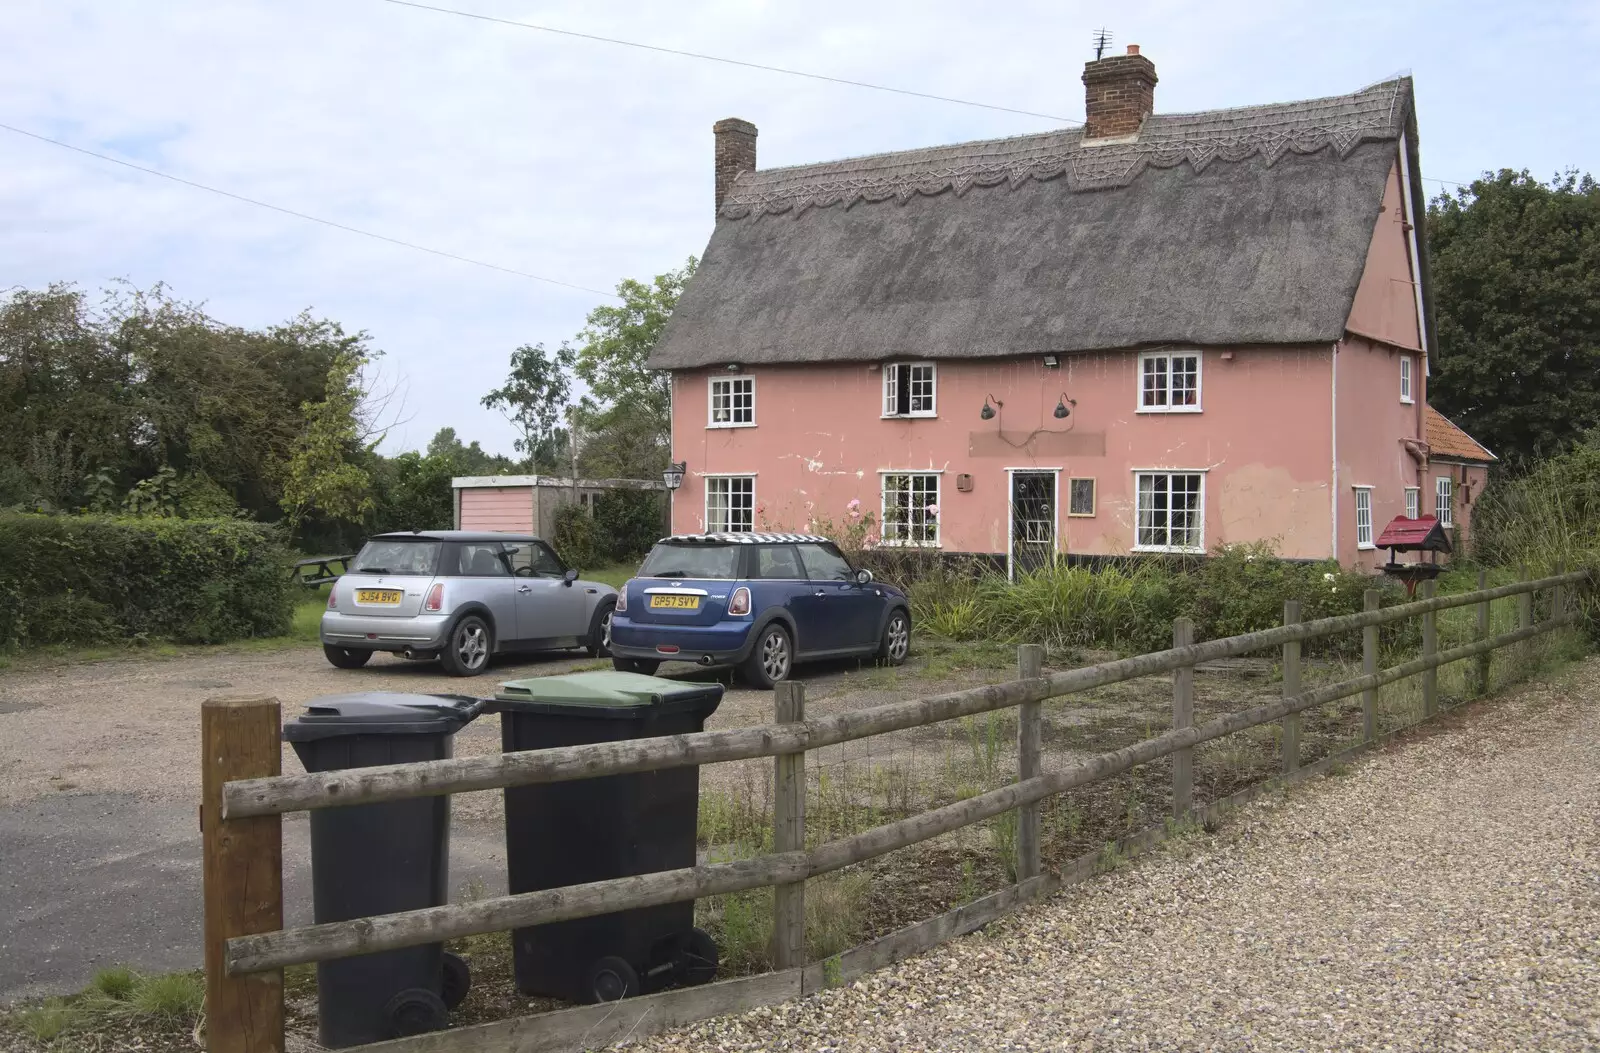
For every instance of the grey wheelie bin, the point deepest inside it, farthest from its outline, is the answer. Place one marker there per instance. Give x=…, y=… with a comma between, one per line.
x=369, y=859
x=568, y=833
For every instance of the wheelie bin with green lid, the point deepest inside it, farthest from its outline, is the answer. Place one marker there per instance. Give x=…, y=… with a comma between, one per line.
x=568, y=833
x=370, y=859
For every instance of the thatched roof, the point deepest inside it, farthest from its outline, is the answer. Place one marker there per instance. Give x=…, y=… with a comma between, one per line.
x=1245, y=226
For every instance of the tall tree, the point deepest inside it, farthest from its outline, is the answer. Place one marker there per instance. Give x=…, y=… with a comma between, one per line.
x=626, y=418
x=1516, y=286
x=535, y=397
x=324, y=473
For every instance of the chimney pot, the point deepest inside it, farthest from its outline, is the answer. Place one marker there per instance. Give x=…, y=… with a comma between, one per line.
x=1119, y=93
x=735, y=153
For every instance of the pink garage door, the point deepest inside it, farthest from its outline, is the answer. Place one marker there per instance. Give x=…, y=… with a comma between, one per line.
x=508, y=508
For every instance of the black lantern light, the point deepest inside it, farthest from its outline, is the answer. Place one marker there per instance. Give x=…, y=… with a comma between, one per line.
x=673, y=475
x=1061, y=411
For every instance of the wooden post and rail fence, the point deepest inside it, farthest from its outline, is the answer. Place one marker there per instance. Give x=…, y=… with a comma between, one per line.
x=245, y=796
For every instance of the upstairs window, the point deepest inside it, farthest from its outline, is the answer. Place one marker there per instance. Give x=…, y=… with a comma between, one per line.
x=1405, y=378
x=908, y=389
x=1169, y=383
x=733, y=402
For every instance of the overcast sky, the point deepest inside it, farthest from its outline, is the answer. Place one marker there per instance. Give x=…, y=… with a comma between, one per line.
x=588, y=163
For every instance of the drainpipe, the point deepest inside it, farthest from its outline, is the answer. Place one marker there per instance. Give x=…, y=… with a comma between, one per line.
x=1334, y=503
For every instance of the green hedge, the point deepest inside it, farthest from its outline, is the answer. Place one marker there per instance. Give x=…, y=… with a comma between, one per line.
x=96, y=579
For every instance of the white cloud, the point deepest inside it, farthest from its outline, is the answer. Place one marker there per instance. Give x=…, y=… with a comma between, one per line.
x=590, y=163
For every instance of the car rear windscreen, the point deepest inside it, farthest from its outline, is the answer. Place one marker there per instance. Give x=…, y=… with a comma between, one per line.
x=418, y=556
x=692, y=561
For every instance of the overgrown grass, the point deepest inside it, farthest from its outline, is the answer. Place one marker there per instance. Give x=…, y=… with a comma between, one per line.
x=148, y=1009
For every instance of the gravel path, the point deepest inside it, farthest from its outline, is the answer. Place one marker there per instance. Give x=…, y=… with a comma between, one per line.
x=1440, y=896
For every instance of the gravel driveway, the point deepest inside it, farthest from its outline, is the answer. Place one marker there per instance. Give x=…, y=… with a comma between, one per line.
x=1443, y=895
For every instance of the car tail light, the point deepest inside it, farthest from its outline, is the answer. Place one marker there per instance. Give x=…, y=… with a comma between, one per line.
x=333, y=597
x=739, y=602
x=435, y=600
x=622, y=596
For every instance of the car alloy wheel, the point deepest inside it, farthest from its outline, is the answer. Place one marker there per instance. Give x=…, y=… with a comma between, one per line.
x=899, y=638
x=605, y=630
x=775, y=655
x=472, y=645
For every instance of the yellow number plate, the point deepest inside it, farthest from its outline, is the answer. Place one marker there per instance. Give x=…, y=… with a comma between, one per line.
x=686, y=603
x=386, y=597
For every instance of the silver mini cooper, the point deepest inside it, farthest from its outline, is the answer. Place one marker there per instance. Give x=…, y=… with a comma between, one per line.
x=462, y=596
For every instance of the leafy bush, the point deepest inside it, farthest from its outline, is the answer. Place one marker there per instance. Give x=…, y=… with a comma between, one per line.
x=628, y=522
x=577, y=541
x=86, y=579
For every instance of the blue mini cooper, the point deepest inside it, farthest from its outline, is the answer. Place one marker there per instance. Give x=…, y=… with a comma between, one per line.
x=760, y=602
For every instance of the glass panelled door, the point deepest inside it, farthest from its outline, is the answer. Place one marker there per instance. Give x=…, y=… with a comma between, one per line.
x=1033, y=520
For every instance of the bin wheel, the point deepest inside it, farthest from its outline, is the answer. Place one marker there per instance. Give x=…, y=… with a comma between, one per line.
x=415, y=1011
x=609, y=979
x=697, y=961
x=456, y=981
x=344, y=657
x=647, y=666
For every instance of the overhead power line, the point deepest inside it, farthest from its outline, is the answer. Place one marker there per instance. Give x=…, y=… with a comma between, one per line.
x=301, y=215
x=727, y=61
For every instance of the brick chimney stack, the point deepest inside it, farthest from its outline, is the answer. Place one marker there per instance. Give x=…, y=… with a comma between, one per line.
x=736, y=152
x=1119, y=93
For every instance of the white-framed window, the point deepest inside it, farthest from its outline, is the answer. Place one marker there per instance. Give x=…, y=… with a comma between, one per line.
x=1405, y=378
x=1169, y=382
x=910, y=508
x=733, y=402
x=1364, y=517
x=1080, y=497
x=1441, y=501
x=909, y=389
x=730, y=503
x=1413, y=502
x=1171, y=512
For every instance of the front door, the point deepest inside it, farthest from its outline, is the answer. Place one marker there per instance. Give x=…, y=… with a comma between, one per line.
x=1033, y=520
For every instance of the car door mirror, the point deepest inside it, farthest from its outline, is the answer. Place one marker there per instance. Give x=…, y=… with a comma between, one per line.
x=863, y=576
x=569, y=576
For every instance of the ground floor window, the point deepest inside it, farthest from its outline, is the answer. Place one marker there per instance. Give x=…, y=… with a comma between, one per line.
x=1441, y=501
x=1080, y=497
x=1413, y=502
x=1170, y=512
x=910, y=508
x=1364, y=517
x=730, y=503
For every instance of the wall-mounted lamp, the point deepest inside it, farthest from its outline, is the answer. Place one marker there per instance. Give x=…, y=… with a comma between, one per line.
x=1052, y=361
x=987, y=413
x=1061, y=406
x=673, y=475
x=732, y=367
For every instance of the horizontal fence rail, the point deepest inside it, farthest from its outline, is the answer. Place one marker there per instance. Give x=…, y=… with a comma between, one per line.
x=275, y=950
x=291, y=793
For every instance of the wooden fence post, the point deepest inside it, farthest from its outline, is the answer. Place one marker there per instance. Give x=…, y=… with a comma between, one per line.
x=1291, y=687
x=1430, y=647
x=1182, y=717
x=1371, y=600
x=1558, y=593
x=241, y=874
x=1524, y=620
x=1030, y=742
x=1482, y=633
x=789, y=832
